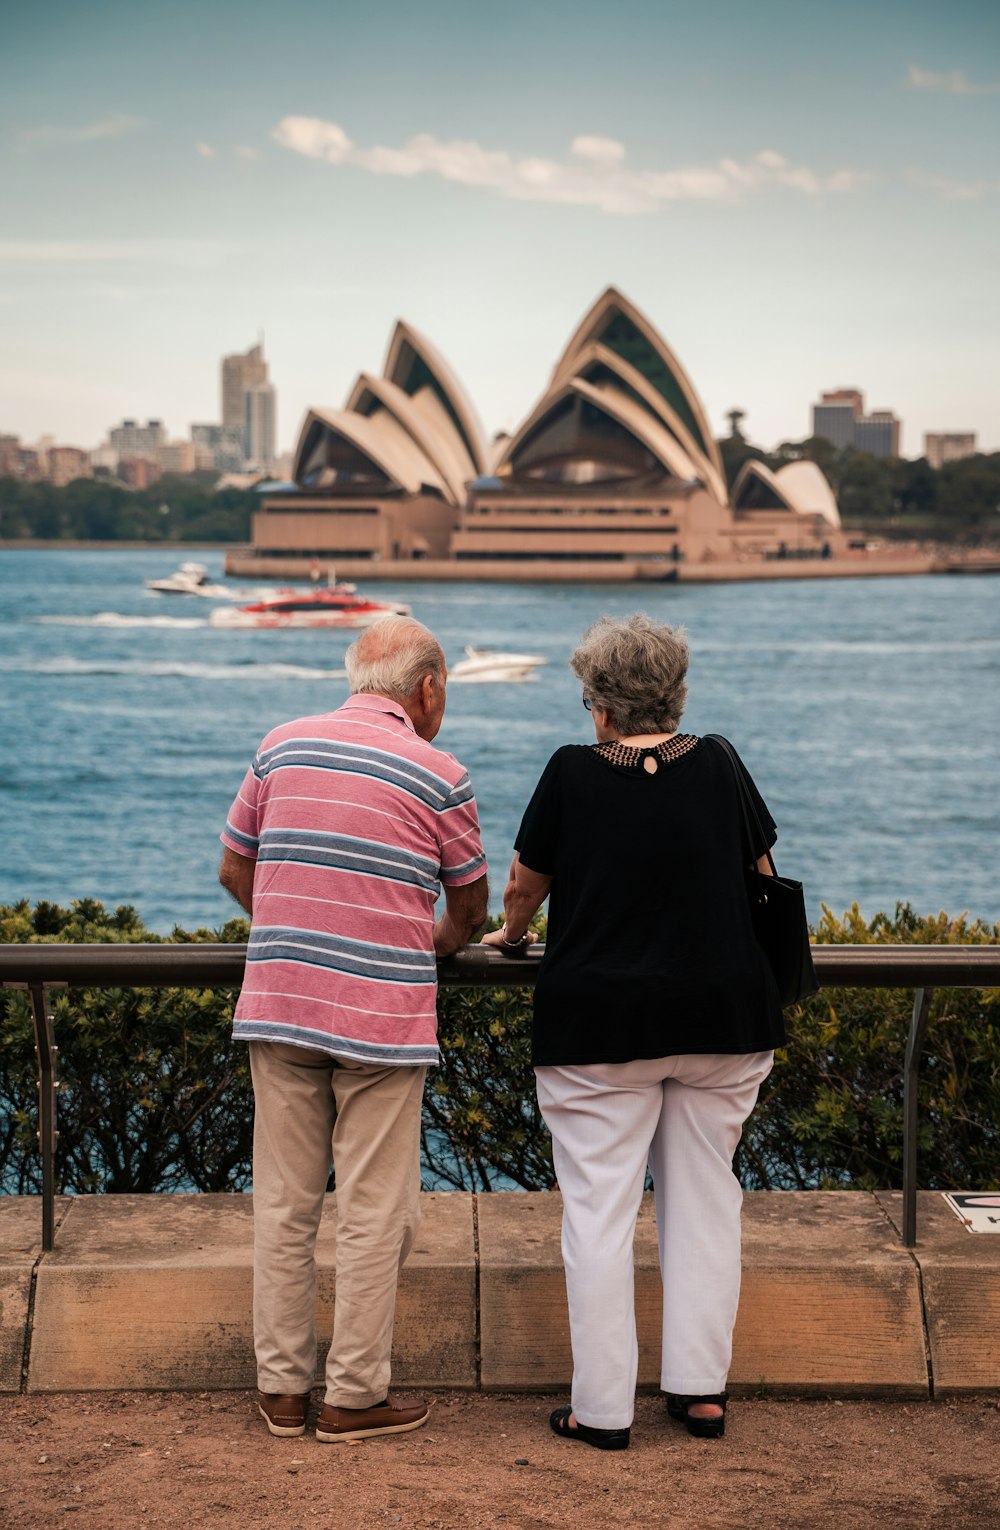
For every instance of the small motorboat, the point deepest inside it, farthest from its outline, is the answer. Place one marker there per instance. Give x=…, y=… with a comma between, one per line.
x=334, y=605
x=189, y=579
x=486, y=666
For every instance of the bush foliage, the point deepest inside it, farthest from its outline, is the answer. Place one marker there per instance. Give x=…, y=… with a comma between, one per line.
x=155, y=1095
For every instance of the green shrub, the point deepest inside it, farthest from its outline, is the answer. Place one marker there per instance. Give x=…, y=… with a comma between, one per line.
x=831, y=1114
x=153, y=1092
x=155, y=1095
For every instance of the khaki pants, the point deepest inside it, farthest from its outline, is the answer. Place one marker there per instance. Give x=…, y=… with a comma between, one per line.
x=310, y=1106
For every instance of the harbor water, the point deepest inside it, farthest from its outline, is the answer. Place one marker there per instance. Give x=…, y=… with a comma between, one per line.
x=868, y=711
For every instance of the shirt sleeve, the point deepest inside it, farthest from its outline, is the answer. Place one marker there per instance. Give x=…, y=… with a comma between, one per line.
x=242, y=831
x=462, y=857
x=538, y=837
x=767, y=823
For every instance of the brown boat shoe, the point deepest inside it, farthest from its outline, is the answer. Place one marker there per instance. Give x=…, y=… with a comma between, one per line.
x=389, y=1417
x=284, y=1413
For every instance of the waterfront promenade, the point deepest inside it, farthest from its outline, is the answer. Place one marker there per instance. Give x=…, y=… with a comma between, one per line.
x=133, y=1340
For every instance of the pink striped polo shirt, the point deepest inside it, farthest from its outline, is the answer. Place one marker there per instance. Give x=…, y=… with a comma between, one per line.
x=354, y=823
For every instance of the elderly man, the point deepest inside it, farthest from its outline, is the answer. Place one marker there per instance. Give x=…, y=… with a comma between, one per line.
x=342, y=834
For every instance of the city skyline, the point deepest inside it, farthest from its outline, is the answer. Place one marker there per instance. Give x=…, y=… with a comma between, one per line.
x=797, y=206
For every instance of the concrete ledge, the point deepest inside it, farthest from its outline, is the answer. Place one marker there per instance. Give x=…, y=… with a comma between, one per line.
x=830, y=1299
x=20, y=1244
x=155, y=1292
x=961, y=1280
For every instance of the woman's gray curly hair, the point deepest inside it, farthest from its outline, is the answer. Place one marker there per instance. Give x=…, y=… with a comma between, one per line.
x=635, y=669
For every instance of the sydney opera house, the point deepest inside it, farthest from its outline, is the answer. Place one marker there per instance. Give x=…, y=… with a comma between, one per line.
x=614, y=474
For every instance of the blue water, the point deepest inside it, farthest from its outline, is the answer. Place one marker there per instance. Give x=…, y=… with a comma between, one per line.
x=867, y=710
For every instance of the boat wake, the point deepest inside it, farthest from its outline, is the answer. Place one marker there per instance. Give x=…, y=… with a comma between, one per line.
x=115, y=619
x=68, y=666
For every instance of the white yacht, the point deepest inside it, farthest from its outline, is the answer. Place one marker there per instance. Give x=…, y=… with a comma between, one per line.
x=189, y=579
x=485, y=666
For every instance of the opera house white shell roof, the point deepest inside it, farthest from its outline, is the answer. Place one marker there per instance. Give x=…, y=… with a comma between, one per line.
x=619, y=407
x=410, y=431
x=798, y=486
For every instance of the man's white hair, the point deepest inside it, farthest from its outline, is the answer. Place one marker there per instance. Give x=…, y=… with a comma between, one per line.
x=392, y=657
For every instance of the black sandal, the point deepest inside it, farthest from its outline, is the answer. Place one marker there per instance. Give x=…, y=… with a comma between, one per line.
x=678, y=1407
x=601, y=1439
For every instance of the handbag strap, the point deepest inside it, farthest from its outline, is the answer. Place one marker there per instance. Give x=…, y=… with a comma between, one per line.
x=751, y=818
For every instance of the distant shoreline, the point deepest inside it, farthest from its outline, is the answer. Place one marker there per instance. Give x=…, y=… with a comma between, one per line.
x=903, y=559
x=39, y=544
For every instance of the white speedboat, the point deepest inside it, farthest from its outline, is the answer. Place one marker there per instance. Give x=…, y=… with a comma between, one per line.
x=189, y=579
x=335, y=605
x=486, y=666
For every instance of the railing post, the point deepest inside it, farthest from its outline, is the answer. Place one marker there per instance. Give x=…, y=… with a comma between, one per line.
x=911, y=1079
x=48, y=1054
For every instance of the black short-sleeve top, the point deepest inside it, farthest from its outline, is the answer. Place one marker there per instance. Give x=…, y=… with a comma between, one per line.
x=650, y=951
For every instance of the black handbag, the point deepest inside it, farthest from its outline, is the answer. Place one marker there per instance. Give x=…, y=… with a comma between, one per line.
x=777, y=905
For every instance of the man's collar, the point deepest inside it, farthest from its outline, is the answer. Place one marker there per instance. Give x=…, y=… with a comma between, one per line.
x=369, y=701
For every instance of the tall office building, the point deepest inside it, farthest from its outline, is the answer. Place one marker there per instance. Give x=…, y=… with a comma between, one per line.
x=835, y=415
x=840, y=418
x=948, y=446
x=877, y=433
x=239, y=374
x=258, y=424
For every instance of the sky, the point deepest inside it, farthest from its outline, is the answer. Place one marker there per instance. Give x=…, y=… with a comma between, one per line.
x=799, y=195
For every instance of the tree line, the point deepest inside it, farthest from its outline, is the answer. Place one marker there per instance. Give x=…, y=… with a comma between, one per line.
x=174, y=509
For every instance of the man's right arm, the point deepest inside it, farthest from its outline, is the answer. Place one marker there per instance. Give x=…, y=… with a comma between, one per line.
x=236, y=875
x=465, y=910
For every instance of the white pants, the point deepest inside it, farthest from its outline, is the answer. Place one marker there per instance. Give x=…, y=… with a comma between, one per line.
x=683, y=1116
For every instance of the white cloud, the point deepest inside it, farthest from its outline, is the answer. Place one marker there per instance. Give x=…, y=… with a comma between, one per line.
x=99, y=252
x=603, y=151
x=953, y=82
x=116, y=126
x=246, y=151
x=953, y=189
x=596, y=175
x=204, y=149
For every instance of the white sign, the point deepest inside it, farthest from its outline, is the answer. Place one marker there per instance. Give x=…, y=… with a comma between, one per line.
x=980, y=1213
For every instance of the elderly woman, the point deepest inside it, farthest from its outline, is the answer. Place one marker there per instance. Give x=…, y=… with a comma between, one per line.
x=656, y=1016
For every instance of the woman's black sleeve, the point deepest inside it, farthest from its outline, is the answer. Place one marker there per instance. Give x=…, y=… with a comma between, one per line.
x=537, y=839
x=767, y=823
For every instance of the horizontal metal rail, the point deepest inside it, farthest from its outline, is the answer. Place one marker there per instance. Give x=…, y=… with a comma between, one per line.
x=195, y=965
x=40, y=968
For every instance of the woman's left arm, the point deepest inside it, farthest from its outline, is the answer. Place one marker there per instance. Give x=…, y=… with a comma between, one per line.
x=764, y=867
x=523, y=896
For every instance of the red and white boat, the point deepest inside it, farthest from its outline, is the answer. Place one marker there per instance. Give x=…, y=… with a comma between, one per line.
x=333, y=605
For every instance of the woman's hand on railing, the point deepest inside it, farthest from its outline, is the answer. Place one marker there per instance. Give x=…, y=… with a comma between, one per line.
x=501, y=941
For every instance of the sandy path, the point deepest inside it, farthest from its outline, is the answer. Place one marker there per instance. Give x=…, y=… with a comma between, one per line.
x=109, y=1461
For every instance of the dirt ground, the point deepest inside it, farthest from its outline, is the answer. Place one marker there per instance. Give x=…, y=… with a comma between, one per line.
x=109, y=1461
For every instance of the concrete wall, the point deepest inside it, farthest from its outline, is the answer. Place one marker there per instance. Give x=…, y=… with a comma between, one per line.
x=155, y=1292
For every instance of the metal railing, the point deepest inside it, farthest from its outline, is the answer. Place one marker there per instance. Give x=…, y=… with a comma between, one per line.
x=41, y=968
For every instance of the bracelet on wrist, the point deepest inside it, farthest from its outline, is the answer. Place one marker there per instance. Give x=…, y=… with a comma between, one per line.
x=511, y=945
